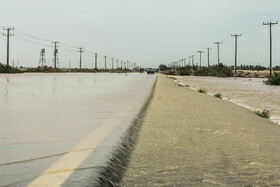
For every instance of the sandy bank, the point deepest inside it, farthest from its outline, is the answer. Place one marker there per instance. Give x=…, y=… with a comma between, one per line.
x=189, y=138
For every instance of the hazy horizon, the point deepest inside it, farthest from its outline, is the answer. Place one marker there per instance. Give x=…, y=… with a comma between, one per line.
x=146, y=32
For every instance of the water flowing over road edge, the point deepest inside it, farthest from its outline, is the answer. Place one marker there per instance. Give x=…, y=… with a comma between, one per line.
x=112, y=173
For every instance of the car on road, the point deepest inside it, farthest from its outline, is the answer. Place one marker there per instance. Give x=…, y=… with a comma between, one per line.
x=150, y=71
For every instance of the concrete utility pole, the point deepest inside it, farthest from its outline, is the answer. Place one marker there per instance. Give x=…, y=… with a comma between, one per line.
x=200, y=58
x=190, y=60
x=270, y=25
x=81, y=50
x=8, y=29
x=55, y=53
x=235, y=64
x=208, y=49
x=218, y=46
x=112, y=63
x=105, y=58
x=95, y=55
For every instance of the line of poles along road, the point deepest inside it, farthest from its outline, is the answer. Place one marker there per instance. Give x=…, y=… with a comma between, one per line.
x=191, y=58
x=116, y=63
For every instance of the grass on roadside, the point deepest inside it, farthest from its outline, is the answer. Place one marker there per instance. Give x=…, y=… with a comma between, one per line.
x=201, y=90
x=218, y=95
x=264, y=114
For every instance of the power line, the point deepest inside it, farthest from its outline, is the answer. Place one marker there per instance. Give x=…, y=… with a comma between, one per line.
x=31, y=36
x=29, y=41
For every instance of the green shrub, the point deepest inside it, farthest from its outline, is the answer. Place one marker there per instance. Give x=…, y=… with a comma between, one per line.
x=216, y=70
x=218, y=95
x=8, y=69
x=264, y=114
x=274, y=80
x=201, y=90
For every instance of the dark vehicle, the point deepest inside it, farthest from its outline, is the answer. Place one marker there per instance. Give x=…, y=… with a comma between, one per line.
x=150, y=71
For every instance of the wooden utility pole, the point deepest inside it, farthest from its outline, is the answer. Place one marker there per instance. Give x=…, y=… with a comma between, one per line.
x=81, y=50
x=55, y=53
x=105, y=58
x=200, y=58
x=218, y=46
x=235, y=64
x=270, y=25
x=8, y=29
x=95, y=60
x=208, y=49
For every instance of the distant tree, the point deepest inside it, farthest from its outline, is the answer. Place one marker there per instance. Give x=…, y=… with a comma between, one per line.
x=162, y=67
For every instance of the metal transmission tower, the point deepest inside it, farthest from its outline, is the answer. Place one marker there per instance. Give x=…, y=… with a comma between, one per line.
x=95, y=60
x=81, y=50
x=200, y=58
x=235, y=64
x=112, y=63
x=8, y=29
x=208, y=49
x=42, y=59
x=218, y=47
x=270, y=25
x=55, y=53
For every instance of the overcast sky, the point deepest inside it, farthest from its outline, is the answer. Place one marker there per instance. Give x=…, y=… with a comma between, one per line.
x=147, y=32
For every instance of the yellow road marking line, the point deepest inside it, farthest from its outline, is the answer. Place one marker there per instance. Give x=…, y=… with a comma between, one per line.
x=59, y=172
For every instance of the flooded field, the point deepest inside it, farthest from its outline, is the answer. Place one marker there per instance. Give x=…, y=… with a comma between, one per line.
x=64, y=124
x=250, y=93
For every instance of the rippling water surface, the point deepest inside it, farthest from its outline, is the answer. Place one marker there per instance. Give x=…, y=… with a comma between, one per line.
x=250, y=93
x=43, y=117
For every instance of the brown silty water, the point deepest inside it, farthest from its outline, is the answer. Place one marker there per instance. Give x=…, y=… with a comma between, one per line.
x=250, y=93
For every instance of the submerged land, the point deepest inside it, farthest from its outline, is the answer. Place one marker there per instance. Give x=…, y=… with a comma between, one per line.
x=190, y=138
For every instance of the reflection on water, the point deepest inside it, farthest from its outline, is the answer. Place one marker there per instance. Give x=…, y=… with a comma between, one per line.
x=250, y=93
x=43, y=116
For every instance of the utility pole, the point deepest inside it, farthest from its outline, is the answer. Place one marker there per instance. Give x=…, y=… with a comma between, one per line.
x=190, y=60
x=200, y=58
x=270, y=25
x=8, y=29
x=55, y=53
x=235, y=64
x=105, y=58
x=81, y=50
x=208, y=49
x=218, y=46
x=95, y=60
x=112, y=63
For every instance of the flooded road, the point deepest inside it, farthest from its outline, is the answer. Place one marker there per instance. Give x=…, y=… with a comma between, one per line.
x=250, y=93
x=64, y=123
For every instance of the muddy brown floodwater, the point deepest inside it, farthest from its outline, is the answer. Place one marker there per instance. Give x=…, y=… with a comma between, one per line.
x=251, y=93
x=58, y=129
